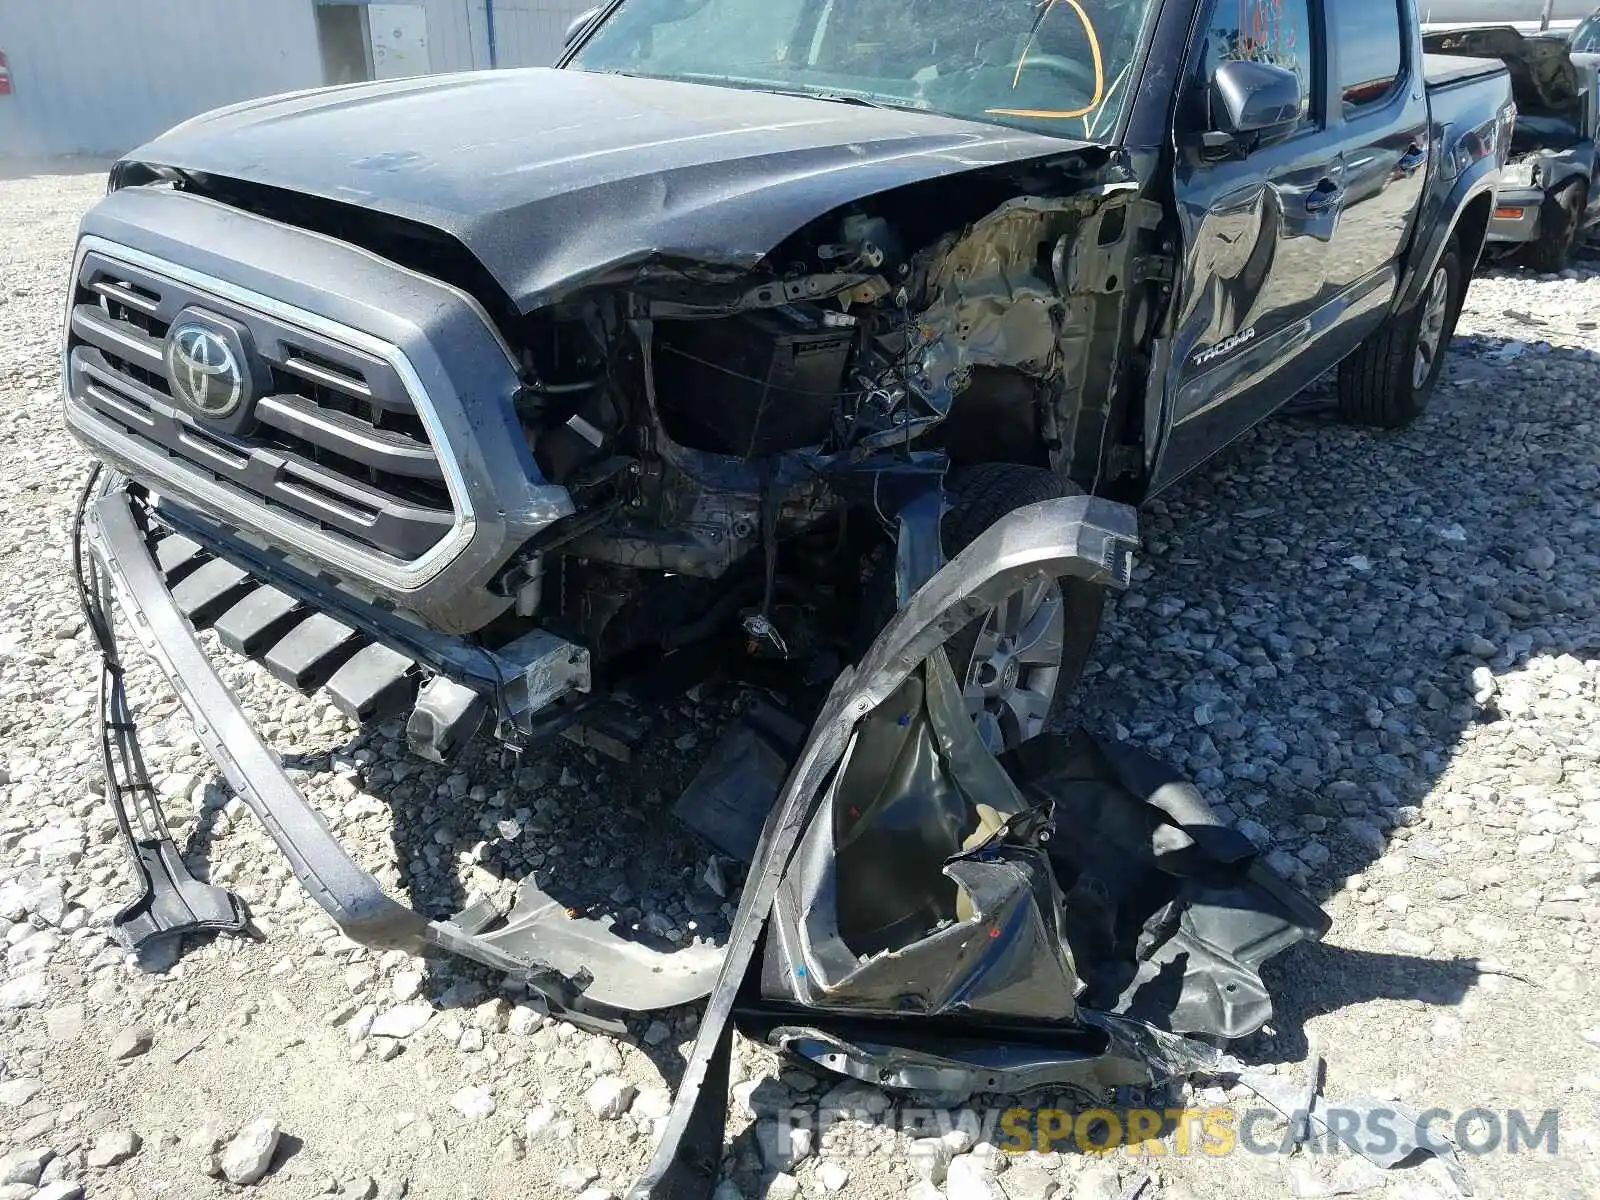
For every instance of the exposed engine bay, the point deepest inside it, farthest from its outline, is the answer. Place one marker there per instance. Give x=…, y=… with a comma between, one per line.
x=715, y=429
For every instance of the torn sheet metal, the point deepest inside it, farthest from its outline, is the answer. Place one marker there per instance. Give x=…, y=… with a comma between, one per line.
x=923, y=884
x=1046, y=288
x=1093, y=1055
x=938, y=880
x=1330, y=1122
x=931, y=918
x=1172, y=913
x=1083, y=537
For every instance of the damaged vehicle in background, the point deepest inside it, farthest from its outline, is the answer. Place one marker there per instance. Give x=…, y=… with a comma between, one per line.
x=827, y=344
x=1549, y=194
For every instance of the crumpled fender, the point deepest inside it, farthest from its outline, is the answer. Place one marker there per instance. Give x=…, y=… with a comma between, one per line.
x=1087, y=537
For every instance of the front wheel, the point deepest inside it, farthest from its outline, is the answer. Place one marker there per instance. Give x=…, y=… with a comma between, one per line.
x=1016, y=661
x=1389, y=378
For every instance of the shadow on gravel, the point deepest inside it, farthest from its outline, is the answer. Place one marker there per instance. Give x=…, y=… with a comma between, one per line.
x=1323, y=978
x=598, y=835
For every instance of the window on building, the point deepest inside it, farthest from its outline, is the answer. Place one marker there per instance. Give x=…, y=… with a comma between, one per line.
x=342, y=37
x=1278, y=32
x=1367, y=44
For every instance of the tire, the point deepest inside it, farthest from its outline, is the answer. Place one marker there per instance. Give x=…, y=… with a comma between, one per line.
x=1559, y=225
x=1387, y=381
x=979, y=496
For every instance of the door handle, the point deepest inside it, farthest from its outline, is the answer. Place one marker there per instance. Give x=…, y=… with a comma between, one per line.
x=1411, y=161
x=1325, y=196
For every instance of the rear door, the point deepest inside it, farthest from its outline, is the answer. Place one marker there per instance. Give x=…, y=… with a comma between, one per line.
x=1257, y=232
x=1383, y=111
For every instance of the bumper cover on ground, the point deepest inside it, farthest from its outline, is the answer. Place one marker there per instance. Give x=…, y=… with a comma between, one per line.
x=561, y=971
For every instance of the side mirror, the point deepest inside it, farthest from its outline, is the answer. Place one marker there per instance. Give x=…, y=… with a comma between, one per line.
x=580, y=23
x=1253, y=104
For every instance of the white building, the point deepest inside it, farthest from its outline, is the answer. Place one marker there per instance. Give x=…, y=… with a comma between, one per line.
x=1530, y=16
x=102, y=76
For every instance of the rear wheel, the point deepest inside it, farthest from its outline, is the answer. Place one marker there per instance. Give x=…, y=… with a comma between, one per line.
x=1017, y=660
x=1388, y=380
x=1559, y=226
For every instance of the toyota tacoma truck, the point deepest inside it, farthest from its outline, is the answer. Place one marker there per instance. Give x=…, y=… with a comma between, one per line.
x=833, y=342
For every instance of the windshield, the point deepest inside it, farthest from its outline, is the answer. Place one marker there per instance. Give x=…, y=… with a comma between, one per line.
x=1586, y=38
x=1053, y=66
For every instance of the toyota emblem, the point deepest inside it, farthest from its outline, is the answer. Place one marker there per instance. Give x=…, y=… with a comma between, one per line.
x=204, y=371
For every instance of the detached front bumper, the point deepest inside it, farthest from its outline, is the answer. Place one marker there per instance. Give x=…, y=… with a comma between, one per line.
x=1516, y=216
x=125, y=568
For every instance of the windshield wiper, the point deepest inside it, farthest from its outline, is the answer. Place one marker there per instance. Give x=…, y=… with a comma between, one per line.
x=778, y=89
x=834, y=97
x=828, y=95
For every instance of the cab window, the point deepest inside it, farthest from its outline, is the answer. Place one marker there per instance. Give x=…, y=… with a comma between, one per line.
x=1368, y=47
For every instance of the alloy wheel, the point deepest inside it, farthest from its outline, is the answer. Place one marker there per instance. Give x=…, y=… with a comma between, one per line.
x=1430, y=337
x=1015, y=666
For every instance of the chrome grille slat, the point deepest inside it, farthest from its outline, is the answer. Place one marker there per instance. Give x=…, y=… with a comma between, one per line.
x=396, y=453
x=126, y=293
x=122, y=338
x=298, y=364
x=338, y=441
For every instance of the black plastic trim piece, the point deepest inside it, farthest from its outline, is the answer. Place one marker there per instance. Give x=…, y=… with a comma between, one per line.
x=257, y=620
x=312, y=651
x=376, y=682
x=351, y=896
x=210, y=590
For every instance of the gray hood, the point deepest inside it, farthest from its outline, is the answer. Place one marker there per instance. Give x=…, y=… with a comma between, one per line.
x=552, y=177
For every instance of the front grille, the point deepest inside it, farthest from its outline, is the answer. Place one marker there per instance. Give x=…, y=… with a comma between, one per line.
x=337, y=441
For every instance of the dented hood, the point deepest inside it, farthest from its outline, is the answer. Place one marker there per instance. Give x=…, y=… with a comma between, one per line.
x=551, y=177
x=1543, y=76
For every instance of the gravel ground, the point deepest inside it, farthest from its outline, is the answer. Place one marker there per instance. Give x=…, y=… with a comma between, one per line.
x=1380, y=654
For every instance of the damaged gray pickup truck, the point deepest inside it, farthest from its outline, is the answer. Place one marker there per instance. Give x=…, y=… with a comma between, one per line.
x=827, y=344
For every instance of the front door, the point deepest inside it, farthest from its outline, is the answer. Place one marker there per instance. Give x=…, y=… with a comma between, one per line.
x=1257, y=233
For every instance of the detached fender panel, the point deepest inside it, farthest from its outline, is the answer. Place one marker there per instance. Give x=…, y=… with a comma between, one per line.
x=1081, y=536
